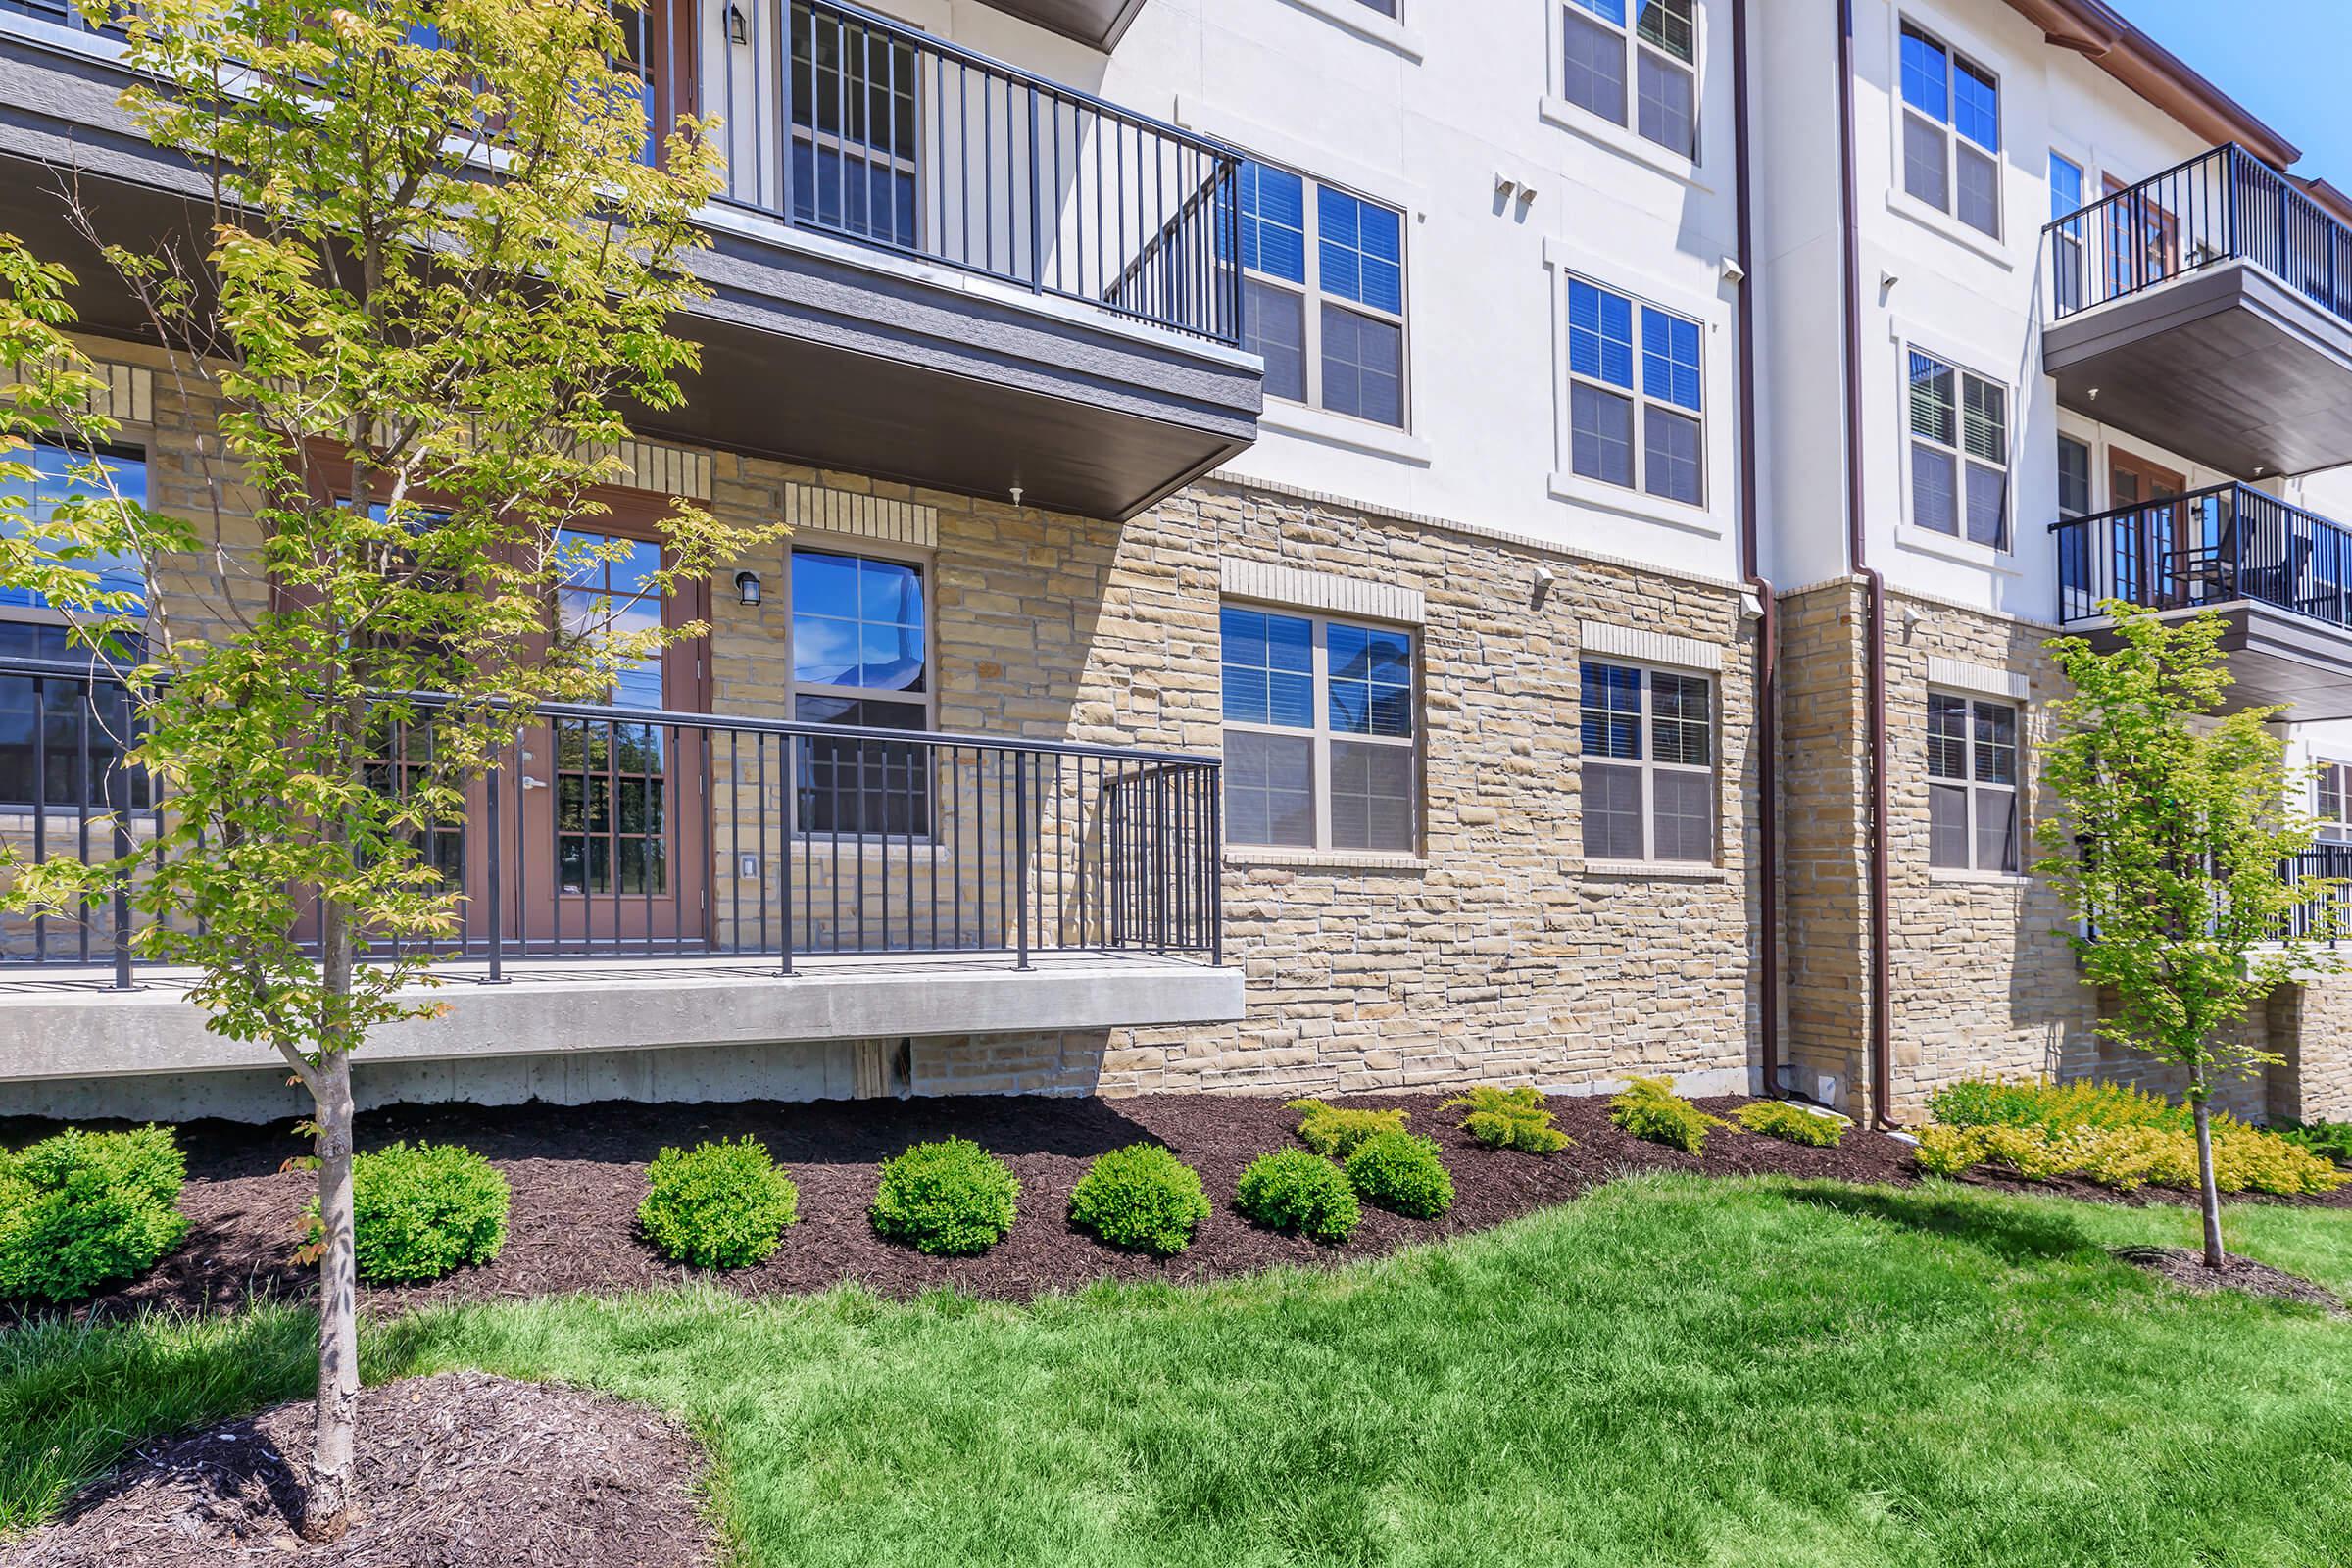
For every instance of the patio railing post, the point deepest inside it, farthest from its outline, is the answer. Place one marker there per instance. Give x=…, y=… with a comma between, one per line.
x=492, y=887
x=1020, y=848
x=118, y=802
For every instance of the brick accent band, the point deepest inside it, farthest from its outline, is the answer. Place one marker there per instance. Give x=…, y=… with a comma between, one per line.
x=1650, y=647
x=1986, y=679
x=864, y=516
x=1320, y=590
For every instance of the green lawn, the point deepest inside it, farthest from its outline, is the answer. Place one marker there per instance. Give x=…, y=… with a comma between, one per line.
x=1669, y=1371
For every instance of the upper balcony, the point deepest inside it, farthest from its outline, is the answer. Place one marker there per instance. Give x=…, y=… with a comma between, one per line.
x=2279, y=576
x=2209, y=310
x=926, y=265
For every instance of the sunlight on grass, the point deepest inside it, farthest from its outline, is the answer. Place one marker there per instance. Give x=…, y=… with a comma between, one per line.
x=1670, y=1370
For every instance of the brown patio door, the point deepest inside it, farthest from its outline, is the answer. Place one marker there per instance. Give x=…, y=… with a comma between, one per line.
x=611, y=840
x=2167, y=560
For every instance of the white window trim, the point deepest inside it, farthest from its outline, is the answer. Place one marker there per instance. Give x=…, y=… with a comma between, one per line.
x=1323, y=735
x=2342, y=825
x=795, y=688
x=1916, y=533
x=1619, y=136
x=1643, y=400
x=1312, y=296
x=126, y=439
x=1973, y=872
x=1946, y=220
x=1389, y=33
x=1648, y=860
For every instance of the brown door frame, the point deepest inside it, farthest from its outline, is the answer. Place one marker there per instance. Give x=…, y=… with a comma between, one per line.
x=2167, y=567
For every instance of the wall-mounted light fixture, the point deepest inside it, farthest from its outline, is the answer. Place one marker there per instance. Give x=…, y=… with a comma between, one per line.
x=747, y=587
x=739, y=27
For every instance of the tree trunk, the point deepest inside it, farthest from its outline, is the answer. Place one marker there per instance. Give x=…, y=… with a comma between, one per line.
x=2209, y=1196
x=326, y=1509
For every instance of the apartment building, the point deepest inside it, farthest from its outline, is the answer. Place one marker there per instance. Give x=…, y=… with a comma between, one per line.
x=1337, y=544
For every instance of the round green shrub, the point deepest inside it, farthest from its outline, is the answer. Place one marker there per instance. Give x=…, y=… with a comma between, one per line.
x=722, y=1205
x=420, y=1210
x=1400, y=1173
x=1294, y=1191
x=951, y=1199
x=82, y=1209
x=1141, y=1198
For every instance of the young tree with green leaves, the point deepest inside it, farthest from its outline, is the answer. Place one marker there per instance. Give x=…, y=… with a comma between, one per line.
x=2178, y=821
x=438, y=267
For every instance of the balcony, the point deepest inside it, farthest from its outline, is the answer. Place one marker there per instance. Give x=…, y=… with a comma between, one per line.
x=2279, y=576
x=2208, y=310
x=927, y=265
x=633, y=878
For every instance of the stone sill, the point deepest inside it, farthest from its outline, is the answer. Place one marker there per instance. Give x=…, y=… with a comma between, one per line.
x=1955, y=877
x=1324, y=859
x=1658, y=870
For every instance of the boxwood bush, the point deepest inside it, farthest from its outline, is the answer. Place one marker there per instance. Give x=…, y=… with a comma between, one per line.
x=1795, y=1124
x=1509, y=1118
x=423, y=1210
x=82, y=1209
x=1302, y=1194
x=951, y=1199
x=2329, y=1139
x=1141, y=1198
x=1649, y=1108
x=720, y=1204
x=1332, y=1131
x=1400, y=1173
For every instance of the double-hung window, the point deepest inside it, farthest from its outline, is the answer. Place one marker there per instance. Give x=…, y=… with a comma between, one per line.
x=2333, y=801
x=1649, y=763
x=1972, y=783
x=1959, y=453
x=861, y=661
x=1655, y=50
x=1951, y=133
x=1323, y=293
x=2074, y=477
x=2066, y=238
x=1634, y=400
x=1320, y=732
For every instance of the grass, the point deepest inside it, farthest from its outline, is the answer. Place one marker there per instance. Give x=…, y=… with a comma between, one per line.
x=1669, y=1371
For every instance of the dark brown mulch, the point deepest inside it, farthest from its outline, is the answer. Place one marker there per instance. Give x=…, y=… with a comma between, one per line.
x=455, y=1471
x=2185, y=1268
x=577, y=1173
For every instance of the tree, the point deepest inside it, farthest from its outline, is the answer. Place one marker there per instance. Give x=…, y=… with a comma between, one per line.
x=2177, y=824
x=438, y=266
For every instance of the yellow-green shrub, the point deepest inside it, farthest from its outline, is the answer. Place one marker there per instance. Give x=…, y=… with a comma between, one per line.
x=1509, y=1118
x=1335, y=1133
x=1650, y=1110
x=1793, y=1124
x=1947, y=1151
x=2039, y=1102
x=2126, y=1158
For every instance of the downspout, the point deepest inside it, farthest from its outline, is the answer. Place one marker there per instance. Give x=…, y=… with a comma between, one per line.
x=1881, y=948
x=1767, y=727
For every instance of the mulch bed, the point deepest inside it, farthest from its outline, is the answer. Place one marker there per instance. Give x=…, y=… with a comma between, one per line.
x=2185, y=1268
x=455, y=1471
x=577, y=1173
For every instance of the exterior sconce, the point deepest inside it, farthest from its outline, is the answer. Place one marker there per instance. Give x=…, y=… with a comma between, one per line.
x=747, y=587
x=738, y=31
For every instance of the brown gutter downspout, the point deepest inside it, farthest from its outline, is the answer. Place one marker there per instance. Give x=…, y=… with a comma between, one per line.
x=1882, y=962
x=1767, y=729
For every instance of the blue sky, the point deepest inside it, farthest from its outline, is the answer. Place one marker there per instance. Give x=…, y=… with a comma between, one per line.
x=2288, y=60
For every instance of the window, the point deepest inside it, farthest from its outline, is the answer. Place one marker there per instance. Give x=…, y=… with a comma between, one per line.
x=1634, y=403
x=1972, y=784
x=2332, y=806
x=1658, y=53
x=1649, y=763
x=853, y=128
x=2066, y=239
x=60, y=474
x=1951, y=133
x=1959, y=453
x=611, y=780
x=861, y=661
x=1387, y=7
x=1323, y=293
x=2074, y=477
x=1319, y=733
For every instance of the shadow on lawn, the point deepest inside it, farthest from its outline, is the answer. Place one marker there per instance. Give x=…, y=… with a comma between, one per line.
x=2012, y=1231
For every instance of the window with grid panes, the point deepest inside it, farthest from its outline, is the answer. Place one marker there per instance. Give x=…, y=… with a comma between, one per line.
x=1320, y=732
x=1648, y=763
x=1972, y=783
x=1959, y=451
x=860, y=661
x=1951, y=133
x=1635, y=395
x=2331, y=788
x=1634, y=55
x=1323, y=293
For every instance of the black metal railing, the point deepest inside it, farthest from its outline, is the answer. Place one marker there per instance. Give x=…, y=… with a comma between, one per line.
x=625, y=833
x=2209, y=546
x=2328, y=913
x=842, y=121
x=2222, y=205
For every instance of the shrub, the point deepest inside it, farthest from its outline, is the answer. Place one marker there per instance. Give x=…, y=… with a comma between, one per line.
x=420, y=1210
x=2039, y=1102
x=1509, y=1118
x=1294, y=1191
x=1793, y=1124
x=2329, y=1139
x=81, y=1209
x=2031, y=1153
x=1400, y=1173
x=1330, y=1131
x=722, y=1204
x=2126, y=1158
x=1946, y=1150
x=1649, y=1108
x=1141, y=1198
x=951, y=1199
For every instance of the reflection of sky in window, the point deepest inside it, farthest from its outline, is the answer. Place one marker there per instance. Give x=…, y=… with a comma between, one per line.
x=54, y=482
x=1273, y=222
x=1612, y=711
x=1924, y=77
x=857, y=621
x=1600, y=334
x=1371, y=681
x=611, y=599
x=1269, y=668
